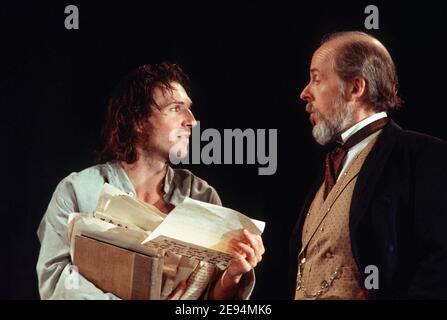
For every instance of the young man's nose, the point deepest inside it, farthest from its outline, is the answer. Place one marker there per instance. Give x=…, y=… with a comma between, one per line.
x=190, y=120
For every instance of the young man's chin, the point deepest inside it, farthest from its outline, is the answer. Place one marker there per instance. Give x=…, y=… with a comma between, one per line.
x=178, y=152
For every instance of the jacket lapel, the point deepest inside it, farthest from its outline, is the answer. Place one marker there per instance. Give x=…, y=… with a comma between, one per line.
x=370, y=174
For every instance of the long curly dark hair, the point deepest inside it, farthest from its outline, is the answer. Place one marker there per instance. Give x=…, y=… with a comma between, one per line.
x=130, y=104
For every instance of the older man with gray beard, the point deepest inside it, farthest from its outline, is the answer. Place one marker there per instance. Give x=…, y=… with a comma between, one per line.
x=373, y=227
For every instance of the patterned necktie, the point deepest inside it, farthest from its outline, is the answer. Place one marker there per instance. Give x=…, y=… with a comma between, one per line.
x=335, y=157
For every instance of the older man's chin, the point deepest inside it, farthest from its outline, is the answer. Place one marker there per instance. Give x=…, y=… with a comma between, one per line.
x=321, y=133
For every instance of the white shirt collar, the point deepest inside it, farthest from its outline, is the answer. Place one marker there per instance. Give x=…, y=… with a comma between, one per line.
x=345, y=135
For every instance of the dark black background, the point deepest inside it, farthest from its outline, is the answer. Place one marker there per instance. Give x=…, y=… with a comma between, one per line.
x=247, y=63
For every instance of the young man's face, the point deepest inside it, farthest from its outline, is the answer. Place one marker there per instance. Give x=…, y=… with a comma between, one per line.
x=170, y=122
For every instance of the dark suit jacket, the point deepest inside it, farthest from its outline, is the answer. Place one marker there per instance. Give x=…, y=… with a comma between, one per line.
x=398, y=216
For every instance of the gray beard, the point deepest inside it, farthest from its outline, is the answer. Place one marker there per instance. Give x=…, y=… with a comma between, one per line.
x=329, y=127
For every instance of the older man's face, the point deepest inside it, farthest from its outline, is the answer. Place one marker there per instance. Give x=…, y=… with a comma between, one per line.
x=329, y=112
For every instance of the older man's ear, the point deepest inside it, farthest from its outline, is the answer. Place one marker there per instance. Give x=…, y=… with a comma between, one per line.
x=356, y=89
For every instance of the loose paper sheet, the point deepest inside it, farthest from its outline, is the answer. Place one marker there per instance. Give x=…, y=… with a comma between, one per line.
x=202, y=230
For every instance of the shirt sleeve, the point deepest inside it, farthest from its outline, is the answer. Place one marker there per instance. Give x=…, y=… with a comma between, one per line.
x=244, y=289
x=202, y=191
x=58, y=278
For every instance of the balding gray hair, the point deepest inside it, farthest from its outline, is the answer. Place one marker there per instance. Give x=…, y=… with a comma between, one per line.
x=361, y=55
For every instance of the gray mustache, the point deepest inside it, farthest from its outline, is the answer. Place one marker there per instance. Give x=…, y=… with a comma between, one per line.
x=309, y=107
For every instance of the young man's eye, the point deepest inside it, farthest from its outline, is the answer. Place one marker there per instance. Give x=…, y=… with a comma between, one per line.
x=175, y=108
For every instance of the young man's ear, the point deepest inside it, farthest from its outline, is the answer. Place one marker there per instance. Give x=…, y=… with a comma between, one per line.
x=139, y=127
x=355, y=89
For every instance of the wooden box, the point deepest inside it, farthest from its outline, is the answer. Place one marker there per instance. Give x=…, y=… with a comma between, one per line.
x=128, y=275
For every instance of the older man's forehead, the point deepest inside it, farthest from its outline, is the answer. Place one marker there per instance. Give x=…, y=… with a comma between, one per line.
x=321, y=58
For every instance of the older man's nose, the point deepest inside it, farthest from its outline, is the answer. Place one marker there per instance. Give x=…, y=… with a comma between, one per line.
x=305, y=94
